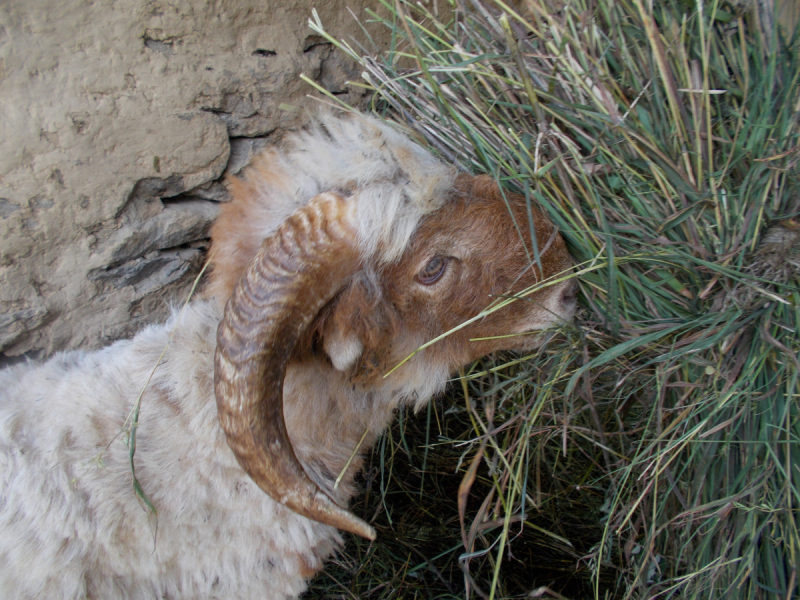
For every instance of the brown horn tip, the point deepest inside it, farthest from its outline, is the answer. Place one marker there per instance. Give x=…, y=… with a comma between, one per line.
x=295, y=273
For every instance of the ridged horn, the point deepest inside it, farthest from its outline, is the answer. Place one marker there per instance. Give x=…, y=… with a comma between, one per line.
x=295, y=273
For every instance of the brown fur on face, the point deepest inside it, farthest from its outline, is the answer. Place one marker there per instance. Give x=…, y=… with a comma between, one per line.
x=490, y=257
x=384, y=313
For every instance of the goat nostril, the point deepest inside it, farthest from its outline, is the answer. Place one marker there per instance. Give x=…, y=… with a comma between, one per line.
x=570, y=293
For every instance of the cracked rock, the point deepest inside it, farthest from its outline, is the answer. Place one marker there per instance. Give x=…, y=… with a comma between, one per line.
x=178, y=223
x=16, y=324
x=120, y=120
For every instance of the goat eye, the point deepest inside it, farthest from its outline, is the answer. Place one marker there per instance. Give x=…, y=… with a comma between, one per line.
x=431, y=273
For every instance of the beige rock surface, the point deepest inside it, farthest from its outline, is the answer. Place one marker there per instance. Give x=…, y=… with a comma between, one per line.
x=119, y=117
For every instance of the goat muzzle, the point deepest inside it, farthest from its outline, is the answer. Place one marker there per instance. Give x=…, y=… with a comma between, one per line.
x=296, y=271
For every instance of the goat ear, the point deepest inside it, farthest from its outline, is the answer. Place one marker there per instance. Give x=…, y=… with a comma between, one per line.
x=354, y=322
x=344, y=348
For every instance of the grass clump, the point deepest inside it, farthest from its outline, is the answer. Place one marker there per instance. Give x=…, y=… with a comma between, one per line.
x=650, y=450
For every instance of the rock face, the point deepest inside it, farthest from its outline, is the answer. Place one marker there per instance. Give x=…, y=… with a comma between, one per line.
x=120, y=117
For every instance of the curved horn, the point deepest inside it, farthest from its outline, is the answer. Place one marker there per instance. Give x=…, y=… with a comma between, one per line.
x=295, y=273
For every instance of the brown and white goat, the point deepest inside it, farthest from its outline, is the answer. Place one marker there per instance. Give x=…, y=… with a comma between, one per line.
x=341, y=253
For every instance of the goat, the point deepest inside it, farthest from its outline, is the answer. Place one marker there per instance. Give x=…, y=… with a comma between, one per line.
x=341, y=253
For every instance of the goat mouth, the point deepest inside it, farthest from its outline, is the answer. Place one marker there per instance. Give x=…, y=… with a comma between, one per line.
x=520, y=341
x=530, y=340
x=539, y=325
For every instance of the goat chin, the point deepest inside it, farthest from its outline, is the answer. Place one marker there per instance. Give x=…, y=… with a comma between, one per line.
x=432, y=249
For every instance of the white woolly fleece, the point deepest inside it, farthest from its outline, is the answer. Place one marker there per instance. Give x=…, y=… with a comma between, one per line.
x=71, y=526
x=398, y=182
